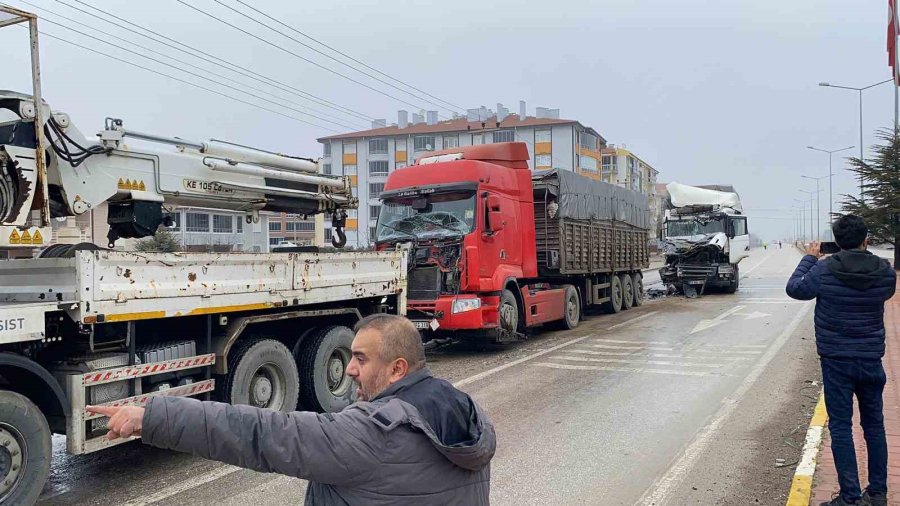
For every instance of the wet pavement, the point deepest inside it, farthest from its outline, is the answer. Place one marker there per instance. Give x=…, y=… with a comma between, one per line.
x=676, y=402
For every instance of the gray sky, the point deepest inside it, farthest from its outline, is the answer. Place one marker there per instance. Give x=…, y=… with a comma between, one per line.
x=705, y=91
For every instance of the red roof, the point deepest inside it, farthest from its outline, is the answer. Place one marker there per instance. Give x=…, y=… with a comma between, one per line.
x=454, y=125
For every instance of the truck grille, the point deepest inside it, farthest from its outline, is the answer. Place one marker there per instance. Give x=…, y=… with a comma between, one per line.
x=696, y=271
x=424, y=283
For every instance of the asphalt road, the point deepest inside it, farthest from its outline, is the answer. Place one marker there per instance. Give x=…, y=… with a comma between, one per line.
x=676, y=402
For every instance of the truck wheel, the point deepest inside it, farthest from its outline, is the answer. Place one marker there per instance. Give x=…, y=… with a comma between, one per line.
x=323, y=359
x=508, y=313
x=615, y=295
x=627, y=291
x=263, y=374
x=637, y=282
x=572, y=314
x=24, y=449
x=733, y=287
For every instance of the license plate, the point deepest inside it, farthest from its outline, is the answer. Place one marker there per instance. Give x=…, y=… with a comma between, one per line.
x=421, y=324
x=696, y=282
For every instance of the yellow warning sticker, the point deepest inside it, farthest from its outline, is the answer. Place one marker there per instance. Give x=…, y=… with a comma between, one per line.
x=142, y=186
x=121, y=184
x=14, y=237
x=26, y=237
x=37, y=238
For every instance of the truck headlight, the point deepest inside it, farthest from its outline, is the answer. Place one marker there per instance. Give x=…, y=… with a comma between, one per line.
x=463, y=305
x=726, y=269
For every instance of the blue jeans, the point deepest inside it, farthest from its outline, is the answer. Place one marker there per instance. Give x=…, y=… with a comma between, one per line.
x=864, y=377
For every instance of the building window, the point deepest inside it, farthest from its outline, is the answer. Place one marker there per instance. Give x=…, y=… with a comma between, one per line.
x=372, y=234
x=326, y=168
x=423, y=143
x=587, y=163
x=196, y=222
x=400, y=145
x=274, y=226
x=240, y=224
x=375, y=190
x=275, y=241
x=504, y=136
x=223, y=224
x=378, y=146
x=300, y=226
x=176, y=220
x=378, y=168
x=349, y=170
x=353, y=213
x=588, y=141
x=327, y=235
x=400, y=165
x=374, y=211
x=542, y=161
x=477, y=139
x=350, y=148
x=326, y=149
x=451, y=141
x=543, y=136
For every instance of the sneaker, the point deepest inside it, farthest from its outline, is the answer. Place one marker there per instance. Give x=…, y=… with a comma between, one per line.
x=874, y=499
x=838, y=500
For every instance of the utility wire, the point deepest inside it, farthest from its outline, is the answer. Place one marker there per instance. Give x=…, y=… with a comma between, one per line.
x=269, y=27
x=298, y=56
x=214, y=59
x=191, y=73
x=174, y=78
x=333, y=120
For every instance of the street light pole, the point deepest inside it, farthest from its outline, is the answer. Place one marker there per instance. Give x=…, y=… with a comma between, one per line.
x=802, y=219
x=830, y=174
x=859, y=91
x=812, y=199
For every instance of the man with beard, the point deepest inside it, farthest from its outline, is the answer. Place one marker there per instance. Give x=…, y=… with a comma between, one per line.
x=410, y=439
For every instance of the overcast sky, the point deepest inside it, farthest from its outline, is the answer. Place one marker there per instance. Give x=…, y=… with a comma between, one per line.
x=705, y=91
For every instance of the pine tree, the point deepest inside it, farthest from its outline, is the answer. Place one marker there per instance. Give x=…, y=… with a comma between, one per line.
x=161, y=242
x=880, y=205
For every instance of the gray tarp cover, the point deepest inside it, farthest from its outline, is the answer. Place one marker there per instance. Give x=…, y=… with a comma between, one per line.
x=582, y=198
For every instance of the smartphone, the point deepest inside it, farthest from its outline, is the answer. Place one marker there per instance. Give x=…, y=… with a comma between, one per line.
x=829, y=248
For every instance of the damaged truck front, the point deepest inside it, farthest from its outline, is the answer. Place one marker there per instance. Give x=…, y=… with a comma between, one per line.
x=706, y=237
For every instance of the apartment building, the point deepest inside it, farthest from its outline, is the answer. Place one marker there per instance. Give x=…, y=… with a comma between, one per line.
x=369, y=156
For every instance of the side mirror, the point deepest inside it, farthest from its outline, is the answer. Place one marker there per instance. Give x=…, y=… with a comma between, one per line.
x=496, y=221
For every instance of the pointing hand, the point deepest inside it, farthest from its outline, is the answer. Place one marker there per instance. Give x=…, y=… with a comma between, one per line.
x=124, y=421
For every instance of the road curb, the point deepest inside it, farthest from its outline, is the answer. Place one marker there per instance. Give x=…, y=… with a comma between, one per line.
x=801, y=485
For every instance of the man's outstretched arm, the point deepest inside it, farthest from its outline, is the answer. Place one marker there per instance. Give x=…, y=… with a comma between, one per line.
x=804, y=282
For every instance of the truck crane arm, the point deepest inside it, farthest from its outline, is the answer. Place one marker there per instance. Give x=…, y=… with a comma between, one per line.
x=138, y=181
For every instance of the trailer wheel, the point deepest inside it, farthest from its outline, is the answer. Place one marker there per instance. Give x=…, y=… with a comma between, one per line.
x=323, y=359
x=615, y=295
x=508, y=313
x=572, y=313
x=637, y=281
x=733, y=287
x=627, y=291
x=24, y=449
x=264, y=375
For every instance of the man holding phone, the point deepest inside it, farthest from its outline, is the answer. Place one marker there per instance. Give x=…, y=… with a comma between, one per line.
x=850, y=288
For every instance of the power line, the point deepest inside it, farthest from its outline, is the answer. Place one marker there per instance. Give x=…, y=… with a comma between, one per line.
x=335, y=121
x=193, y=74
x=254, y=9
x=311, y=62
x=224, y=63
x=204, y=88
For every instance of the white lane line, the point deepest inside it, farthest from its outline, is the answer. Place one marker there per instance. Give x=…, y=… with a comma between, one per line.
x=618, y=369
x=637, y=362
x=623, y=341
x=728, y=352
x=185, y=485
x=660, y=492
x=633, y=348
x=649, y=355
x=495, y=370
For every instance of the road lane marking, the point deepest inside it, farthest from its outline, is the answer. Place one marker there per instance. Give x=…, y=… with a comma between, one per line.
x=801, y=484
x=652, y=355
x=627, y=361
x=618, y=369
x=660, y=492
x=726, y=352
x=182, y=486
x=495, y=370
x=633, y=348
x=718, y=320
x=623, y=341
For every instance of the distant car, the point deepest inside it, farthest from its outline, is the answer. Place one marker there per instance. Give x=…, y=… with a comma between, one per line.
x=287, y=244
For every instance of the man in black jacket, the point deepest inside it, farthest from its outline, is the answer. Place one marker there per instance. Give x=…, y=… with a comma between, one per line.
x=850, y=289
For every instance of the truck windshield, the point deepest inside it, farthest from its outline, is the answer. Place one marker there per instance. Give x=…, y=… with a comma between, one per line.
x=686, y=228
x=445, y=215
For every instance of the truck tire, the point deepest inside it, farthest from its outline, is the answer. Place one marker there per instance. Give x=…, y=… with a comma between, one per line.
x=263, y=374
x=637, y=282
x=627, y=291
x=323, y=359
x=733, y=287
x=615, y=296
x=508, y=314
x=572, y=312
x=24, y=449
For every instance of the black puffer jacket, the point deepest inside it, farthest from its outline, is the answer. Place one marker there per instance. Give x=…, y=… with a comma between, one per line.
x=850, y=289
